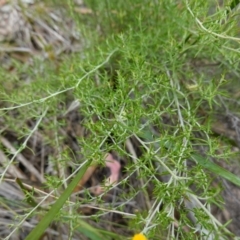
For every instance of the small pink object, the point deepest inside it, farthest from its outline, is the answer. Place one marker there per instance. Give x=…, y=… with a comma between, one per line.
x=114, y=167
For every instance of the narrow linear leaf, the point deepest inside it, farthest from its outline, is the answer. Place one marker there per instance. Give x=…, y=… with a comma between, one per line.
x=28, y=193
x=213, y=167
x=234, y=4
x=37, y=232
x=89, y=231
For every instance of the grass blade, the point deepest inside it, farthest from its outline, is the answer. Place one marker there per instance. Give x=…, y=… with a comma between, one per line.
x=37, y=232
x=28, y=193
x=213, y=167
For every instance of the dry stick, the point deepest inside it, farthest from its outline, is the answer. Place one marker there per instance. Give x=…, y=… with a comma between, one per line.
x=30, y=185
x=91, y=169
x=113, y=211
x=8, y=193
x=17, y=152
x=22, y=159
x=50, y=30
x=16, y=49
x=12, y=170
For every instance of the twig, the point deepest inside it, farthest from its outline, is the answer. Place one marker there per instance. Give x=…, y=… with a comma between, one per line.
x=13, y=171
x=17, y=152
x=22, y=159
x=15, y=49
x=42, y=24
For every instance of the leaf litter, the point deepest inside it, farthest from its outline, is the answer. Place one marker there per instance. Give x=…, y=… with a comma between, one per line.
x=25, y=34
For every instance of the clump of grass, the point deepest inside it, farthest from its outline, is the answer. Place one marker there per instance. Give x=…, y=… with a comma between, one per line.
x=146, y=89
